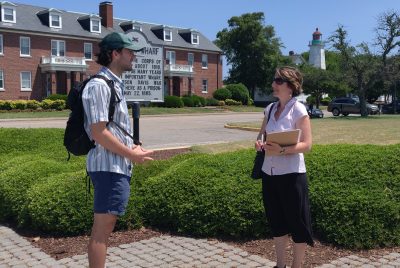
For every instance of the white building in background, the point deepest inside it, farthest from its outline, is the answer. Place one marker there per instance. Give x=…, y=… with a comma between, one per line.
x=317, y=51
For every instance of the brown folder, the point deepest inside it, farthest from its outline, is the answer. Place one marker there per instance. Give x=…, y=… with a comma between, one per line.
x=283, y=138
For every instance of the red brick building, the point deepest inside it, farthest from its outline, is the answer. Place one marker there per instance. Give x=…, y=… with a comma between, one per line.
x=46, y=51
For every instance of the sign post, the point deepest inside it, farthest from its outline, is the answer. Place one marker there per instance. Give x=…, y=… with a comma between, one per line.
x=145, y=82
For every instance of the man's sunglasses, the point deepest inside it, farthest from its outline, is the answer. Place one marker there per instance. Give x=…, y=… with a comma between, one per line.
x=280, y=80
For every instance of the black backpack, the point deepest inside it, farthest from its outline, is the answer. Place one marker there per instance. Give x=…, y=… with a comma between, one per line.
x=76, y=140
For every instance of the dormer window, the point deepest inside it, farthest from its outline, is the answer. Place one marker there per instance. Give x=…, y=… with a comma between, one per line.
x=195, y=38
x=95, y=25
x=131, y=25
x=137, y=27
x=8, y=12
x=55, y=20
x=167, y=35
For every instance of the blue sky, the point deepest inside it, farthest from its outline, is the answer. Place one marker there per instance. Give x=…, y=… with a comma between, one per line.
x=294, y=21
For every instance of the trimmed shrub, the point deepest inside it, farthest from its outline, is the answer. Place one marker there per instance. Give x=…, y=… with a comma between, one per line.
x=58, y=105
x=57, y=97
x=46, y=104
x=239, y=92
x=20, y=104
x=221, y=103
x=232, y=102
x=173, y=102
x=187, y=101
x=222, y=94
x=5, y=105
x=32, y=104
x=198, y=101
x=211, y=102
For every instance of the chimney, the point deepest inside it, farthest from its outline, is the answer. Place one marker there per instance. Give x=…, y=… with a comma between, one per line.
x=106, y=14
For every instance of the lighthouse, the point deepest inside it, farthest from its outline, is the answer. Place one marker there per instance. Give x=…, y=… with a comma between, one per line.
x=317, y=52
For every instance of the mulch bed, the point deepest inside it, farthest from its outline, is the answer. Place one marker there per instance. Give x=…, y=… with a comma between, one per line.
x=62, y=247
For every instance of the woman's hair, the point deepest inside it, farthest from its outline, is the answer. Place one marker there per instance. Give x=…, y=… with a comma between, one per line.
x=294, y=78
x=104, y=56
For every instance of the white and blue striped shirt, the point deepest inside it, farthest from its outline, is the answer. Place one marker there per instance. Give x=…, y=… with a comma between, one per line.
x=96, y=102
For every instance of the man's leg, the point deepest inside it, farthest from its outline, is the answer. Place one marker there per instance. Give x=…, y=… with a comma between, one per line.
x=103, y=225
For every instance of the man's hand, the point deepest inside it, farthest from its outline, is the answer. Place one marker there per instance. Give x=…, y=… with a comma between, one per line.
x=141, y=155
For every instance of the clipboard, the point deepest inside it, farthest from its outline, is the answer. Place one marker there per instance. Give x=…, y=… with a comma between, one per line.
x=283, y=138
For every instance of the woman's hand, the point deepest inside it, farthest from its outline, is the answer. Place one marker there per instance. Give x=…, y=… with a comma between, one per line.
x=259, y=145
x=273, y=147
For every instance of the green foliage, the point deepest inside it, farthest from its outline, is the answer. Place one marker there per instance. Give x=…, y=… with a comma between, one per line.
x=239, y=93
x=252, y=49
x=173, y=102
x=310, y=99
x=32, y=104
x=211, y=102
x=20, y=104
x=5, y=105
x=326, y=100
x=222, y=94
x=187, y=101
x=199, y=101
x=232, y=102
x=57, y=97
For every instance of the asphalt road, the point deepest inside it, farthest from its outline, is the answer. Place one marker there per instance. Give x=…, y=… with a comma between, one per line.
x=157, y=132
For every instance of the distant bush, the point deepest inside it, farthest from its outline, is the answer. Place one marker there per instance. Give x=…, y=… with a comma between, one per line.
x=32, y=104
x=222, y=94
x=199, y=101
x=57, y=97
x=211, y=102
x=173, y=102
x=232, y=102
x=188, y=101
x=311, y=100
x=326, y=101
x=239, y=92
x=221, y=103
x=5, y=105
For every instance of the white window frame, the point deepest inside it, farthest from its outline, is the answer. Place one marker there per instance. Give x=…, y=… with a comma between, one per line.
x=1, y=45
x=3, y=14
x=58, y=47
x=204, y=86
x=51, y=15
x=20, y=46
x=166, y=35
x=85, y=47
x=171, y=56
x=92, y=24
x=190, y=59
x=26, y=87
x=195, y=41
x=204, y=61
x=2, y=80
x=137, y=27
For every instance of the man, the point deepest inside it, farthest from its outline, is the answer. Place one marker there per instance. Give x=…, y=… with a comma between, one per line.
x=109, y=164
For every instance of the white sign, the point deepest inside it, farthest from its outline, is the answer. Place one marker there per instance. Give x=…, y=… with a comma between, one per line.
x=146, y=80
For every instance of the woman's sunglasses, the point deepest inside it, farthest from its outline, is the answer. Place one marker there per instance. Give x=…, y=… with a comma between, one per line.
x=280, y=80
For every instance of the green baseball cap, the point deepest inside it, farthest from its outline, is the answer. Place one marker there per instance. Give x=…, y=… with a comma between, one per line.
x=118, y=40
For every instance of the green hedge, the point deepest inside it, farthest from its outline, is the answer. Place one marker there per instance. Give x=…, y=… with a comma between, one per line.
x=47, y=104
x=354, y=191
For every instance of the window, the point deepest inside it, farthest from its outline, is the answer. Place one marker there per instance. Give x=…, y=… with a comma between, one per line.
x=95, y=26
x=1, y=80
x=170, y=56
x=204, y=86
x=167, y=35
x=8, y=14
x=88, y=50
x=58, y=48
x=26, y=81
x=25, y=46
x=1, y=44
x=204, y=61
x=195, y=38
x=137, y=27
x=55, y=20
x=190, y=59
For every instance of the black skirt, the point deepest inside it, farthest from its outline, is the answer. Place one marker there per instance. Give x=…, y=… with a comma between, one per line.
x=287, y=206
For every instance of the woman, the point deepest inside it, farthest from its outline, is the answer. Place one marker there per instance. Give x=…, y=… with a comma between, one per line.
x=284, y=182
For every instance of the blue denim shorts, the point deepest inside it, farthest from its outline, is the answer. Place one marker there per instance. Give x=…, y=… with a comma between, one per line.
x=111, y=192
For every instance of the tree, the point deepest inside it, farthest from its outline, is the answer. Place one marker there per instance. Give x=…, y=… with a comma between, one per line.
x=251, y=49
x=359, y=65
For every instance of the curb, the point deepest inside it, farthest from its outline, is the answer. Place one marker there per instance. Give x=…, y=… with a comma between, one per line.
x=242, y=128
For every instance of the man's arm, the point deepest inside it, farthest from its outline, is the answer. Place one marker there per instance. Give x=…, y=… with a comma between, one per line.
x=105, y=138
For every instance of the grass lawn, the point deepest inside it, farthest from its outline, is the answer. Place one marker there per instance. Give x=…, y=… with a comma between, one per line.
x=377, y=129
x=143, y=111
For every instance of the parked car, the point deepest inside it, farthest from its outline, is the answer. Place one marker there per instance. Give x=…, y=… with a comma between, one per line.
x=348, y=106
x=313, y=112
x=388, y=108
